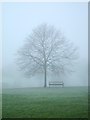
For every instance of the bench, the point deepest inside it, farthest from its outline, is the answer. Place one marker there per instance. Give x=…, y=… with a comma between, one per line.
x=56, y=83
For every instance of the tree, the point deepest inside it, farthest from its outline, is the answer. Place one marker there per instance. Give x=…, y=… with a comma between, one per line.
x=46, y=50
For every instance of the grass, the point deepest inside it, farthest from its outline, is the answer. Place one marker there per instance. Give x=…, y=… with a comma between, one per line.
x=0, y=106
x=68, y=102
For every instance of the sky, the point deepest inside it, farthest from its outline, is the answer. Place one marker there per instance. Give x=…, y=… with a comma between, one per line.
x=18, y=21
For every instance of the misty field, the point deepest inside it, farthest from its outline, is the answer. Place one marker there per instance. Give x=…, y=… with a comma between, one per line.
x=68, y=102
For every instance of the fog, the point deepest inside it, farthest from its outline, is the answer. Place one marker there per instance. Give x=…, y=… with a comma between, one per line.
x=18, y=21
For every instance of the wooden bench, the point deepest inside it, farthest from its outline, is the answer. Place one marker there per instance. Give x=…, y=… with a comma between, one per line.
x=56, y=83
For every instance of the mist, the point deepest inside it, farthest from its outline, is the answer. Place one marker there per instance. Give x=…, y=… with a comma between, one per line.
x=18, y=21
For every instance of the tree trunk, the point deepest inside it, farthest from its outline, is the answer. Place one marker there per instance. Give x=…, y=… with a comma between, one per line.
x=45, y=76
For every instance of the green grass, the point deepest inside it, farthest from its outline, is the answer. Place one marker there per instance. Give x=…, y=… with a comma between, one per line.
x=68, y=102
x=0, y=105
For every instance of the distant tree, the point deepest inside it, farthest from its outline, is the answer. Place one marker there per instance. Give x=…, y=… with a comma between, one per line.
x=45, y=50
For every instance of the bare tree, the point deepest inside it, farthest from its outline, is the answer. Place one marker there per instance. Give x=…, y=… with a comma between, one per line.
x=45, y=50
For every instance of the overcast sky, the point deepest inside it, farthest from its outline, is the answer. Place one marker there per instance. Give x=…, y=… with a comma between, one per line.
x=18, y=21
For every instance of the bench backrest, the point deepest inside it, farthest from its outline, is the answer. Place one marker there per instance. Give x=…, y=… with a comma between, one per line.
x=55, y=82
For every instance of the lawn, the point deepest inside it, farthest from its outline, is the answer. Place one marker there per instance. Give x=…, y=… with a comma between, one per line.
x=0, y=106
x=67, y=102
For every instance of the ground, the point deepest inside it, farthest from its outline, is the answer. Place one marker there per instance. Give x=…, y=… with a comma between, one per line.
x=0, y=106
x=67, y=102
